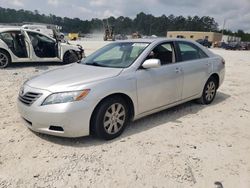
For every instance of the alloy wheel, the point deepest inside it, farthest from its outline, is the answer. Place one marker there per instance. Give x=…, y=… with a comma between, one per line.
x=3, y=60
x=210, y=91
x=114, y=118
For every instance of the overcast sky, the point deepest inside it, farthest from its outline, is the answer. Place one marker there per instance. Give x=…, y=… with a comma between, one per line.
x=236, y=12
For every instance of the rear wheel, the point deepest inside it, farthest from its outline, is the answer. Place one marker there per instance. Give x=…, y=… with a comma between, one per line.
x=209, y=91
x=4, y=59
x=70, y=57
x=110, y=118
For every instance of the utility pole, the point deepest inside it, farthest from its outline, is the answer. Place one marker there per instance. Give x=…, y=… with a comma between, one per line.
x=224, y=23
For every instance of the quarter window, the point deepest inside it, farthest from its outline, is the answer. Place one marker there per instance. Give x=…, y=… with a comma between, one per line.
x=190, y=52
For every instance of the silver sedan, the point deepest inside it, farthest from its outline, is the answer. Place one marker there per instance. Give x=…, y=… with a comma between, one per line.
x=120, y=82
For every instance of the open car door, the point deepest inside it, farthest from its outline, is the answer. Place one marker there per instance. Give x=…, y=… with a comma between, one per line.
x=44, y=48
x=27, y=43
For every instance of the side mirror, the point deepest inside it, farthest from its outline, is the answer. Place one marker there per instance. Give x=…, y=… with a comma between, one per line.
x=151, y=63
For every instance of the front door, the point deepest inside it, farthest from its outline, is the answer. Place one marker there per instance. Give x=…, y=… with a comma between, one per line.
x=158, y=87
x=44, y=48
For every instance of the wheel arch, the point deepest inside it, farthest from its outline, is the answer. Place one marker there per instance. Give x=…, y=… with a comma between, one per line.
x=8, y=53
x=69, y=51
x=217, y=78
x=124, y=96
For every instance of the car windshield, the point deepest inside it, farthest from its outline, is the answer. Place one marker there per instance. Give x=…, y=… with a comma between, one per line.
x=116, y=55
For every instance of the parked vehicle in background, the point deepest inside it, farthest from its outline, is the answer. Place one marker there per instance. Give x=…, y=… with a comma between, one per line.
x=136, y=35
x=233, y=46
x=204, y=42
x=73, y=36
x=24, y=45
x=121, y=37
x=245, y=46
x=122, y=81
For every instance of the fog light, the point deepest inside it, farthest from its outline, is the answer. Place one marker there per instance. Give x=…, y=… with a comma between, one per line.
x=56, y=128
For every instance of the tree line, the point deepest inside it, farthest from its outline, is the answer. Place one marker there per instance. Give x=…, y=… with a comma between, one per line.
x=145, y=24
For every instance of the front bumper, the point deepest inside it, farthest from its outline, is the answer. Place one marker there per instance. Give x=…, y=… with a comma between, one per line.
x=73, y=118
x=222, y=75
x=81, y=53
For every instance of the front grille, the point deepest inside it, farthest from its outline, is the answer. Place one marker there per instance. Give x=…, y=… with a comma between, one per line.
x=29, y=98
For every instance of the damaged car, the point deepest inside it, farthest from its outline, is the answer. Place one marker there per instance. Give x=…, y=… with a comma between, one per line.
x=24, y=45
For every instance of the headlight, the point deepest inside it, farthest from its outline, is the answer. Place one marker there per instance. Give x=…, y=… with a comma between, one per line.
x=65, y=97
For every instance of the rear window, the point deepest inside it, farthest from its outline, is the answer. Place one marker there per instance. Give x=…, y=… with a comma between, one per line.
x=190, y=52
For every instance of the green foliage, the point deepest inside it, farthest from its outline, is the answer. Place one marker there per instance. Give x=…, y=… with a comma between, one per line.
x=145, y=24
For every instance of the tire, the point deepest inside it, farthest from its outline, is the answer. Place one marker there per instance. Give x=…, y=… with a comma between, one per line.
x=5, y=59
x=110, y=118
x=209, y=91
x=70, y=57
x=61, y=37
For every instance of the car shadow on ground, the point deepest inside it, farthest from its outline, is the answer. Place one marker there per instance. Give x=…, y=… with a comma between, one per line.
x=36, y=65
x=170, y=115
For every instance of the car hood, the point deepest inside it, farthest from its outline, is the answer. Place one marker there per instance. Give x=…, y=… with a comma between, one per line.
x=71, y=77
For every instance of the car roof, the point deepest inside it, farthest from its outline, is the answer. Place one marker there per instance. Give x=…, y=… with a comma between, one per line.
x=2, y=29
x=162, y=40
x=18, y=29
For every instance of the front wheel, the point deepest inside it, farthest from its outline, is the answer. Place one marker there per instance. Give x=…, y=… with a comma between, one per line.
x=70, y=57
x=209, y=91
x=4, y=59
x=110, y=118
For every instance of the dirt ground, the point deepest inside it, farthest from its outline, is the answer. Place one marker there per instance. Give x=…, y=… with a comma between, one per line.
x=186, y=146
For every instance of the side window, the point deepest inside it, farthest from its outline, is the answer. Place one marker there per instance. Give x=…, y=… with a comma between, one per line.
x=36, y=38
x=164, y=52
x=190, y=51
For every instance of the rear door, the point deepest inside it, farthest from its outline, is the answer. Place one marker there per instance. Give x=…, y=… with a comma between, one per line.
x=15, y=41
x=195, y=66
x=27, y=43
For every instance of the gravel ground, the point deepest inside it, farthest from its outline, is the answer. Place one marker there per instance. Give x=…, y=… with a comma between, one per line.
x=186, y=146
